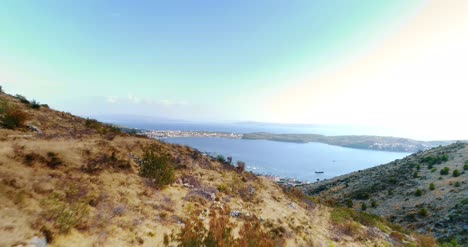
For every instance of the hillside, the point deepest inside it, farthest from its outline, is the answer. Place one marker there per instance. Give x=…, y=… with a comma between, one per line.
x=426, y=191
x=68, y=181
x=382, y=143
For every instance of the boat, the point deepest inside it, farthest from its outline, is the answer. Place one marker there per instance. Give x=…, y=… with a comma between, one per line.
x=319, y=172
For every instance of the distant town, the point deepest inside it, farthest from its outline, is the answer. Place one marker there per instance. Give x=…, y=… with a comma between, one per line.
x=160, y=134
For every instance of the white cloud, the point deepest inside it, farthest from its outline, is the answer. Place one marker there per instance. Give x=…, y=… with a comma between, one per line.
x=112, y=99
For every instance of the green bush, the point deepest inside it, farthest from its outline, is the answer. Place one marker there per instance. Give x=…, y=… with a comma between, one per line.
x=432, y=186
x=415, y=175
x=35, y=104
x=374, y=203
x=456, y=173
x=418, y=167
x=418, y=192
x=457, y=184
x=221, y=159
x=444, y=171
x=157, y=168
x=452, y=243
x=423, y=212
x=465, y=167
x=22, y=99
x=431, y=160
x=363, y=206
x=349, y=203
x=433, y=169
x=362, y=196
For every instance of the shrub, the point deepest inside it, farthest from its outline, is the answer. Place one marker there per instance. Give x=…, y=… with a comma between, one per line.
x=457, y=184
x=362, y=196
x=433, y=160
x=423, y=212
x=374, y=203
x=240, y=166
x=1, y=89
x=433, y=169
x=220, y=233
x=22, y=99
x=66, y=212
x=425, y=240
x=35, y=104
x=465, y=167
x=11, y=117
x=349, y=203
x=432, y=186
x=452, y=243
x=221, y=159
x=101, y=128
x=222, y=188
x=53, y=161
x=415, y=174
x=418, y=167
x=444, y=171
x=157, y=168
x=363, y=206
x=418, y=192
x=456, y=173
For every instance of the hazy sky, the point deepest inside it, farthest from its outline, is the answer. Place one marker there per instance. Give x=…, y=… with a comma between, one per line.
x=389, y=63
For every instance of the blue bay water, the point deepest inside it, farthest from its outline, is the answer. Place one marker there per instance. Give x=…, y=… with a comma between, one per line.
x=292, y=160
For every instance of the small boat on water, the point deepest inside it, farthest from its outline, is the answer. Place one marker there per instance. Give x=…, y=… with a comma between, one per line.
x=319, y=172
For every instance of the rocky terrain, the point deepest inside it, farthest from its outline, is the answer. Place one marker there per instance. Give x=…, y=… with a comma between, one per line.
x=69, y=181
x=382, y=143
x=426, y=191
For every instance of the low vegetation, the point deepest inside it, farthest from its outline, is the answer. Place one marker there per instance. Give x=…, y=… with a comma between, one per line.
x=220, y=232
x=11, y=117
x=434, y=160
x=444, y=171
x=417, y=199
x=157, y=168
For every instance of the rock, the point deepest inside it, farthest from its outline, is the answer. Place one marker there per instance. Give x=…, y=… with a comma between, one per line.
x=235, y=214
x=35, y=129
x=213, y=196
x=43, y=188
x=38, y=242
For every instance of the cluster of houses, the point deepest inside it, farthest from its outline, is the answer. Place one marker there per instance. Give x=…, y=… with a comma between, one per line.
x=289, y=182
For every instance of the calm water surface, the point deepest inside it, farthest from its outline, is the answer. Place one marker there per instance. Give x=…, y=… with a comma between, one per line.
x=291, y=160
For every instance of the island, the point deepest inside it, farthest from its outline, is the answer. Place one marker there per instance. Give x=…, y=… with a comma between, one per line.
x=383, y=143
x=380, y=143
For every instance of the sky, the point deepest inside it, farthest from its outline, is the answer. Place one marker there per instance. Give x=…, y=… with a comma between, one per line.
x=393, y=64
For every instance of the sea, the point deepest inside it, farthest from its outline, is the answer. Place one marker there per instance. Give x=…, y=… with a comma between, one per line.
x=300, y=161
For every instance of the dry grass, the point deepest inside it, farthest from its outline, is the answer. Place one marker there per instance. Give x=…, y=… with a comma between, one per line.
x=78, y=183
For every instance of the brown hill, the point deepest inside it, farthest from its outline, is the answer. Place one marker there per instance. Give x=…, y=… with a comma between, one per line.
x=426, y=191
x=68, y=181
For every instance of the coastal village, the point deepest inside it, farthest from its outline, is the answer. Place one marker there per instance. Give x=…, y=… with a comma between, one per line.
x=161, y=134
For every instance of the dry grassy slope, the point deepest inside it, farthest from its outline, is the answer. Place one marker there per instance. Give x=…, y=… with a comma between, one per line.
x=393, y=186
x=44, y=174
